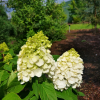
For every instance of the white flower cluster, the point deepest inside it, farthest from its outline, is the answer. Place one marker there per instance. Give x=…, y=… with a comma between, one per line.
x=34, y=60
x=68, y=71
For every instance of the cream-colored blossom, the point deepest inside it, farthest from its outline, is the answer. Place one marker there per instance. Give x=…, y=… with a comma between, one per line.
x=68, y=71
x=34, y=59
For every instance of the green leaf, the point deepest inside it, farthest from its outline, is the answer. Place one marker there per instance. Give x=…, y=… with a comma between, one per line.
x=31, y=93
x=3, y=75
x=47, y=91
x=1, y=57
x=3, y=83
x=35, y=88
x=11, y=52
x=11, y=96
x=67, y=94
x=78, y=93
x=63, y=95
x=81, y=94
x=14, y=60
x=34, y=98
x=15, y=87
x=11, y=78
x=13, y=84
x=8, y=67
x=56, y=57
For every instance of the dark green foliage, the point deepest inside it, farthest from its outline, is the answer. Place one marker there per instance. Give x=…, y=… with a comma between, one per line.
x=92, y=12
x=75, y=10
x=35, y=15
x=66, y=4
x=6, y=28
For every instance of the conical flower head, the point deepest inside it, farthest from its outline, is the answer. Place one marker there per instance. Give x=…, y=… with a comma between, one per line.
x=69, y=70
x=35, y=58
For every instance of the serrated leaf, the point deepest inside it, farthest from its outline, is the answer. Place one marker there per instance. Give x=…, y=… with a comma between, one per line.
x=66, y=94
x=16, y=88
x=8, y=67
x=3, y=83
x=11, y=96
x=81, y=94
x=31, y=93
x=11, y=78
x=13, y=84
x=35, y=88
x=47, y=91
x=11, y=52
x=3, y=75
x=14, y=60
x=63, y=95
x=3, y=89
x=56, y=57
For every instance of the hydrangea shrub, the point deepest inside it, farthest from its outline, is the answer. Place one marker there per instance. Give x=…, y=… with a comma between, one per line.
x=50, y=79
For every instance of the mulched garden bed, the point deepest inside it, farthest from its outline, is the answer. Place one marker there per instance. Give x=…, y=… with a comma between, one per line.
x=88, y=46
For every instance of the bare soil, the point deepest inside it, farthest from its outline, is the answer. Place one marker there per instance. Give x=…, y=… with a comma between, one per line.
x=87, y=45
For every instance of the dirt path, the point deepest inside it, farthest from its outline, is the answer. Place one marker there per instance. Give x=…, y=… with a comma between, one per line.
x=88, y=46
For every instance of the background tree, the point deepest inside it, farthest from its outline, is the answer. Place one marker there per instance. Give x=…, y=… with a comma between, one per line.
x=31, y=16
x=75, y=10
x=6, y=28
x=92, y=12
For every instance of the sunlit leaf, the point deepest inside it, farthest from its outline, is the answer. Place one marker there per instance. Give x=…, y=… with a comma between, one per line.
x=47, y=91
x=11, y=96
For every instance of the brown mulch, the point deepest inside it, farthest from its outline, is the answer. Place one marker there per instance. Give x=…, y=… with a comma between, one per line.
x=88, y=46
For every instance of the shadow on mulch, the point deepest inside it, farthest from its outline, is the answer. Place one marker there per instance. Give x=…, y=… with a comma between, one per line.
x=88, y=46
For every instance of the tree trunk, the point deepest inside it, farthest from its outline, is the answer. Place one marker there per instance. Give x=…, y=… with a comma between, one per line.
x=95, y=15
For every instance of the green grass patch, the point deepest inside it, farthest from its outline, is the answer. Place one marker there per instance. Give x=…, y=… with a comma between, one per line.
x=81, y=26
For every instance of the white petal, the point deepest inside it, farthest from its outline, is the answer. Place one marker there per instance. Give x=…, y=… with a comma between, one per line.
x=52, y=72
x=25, y=73
x=35, y=58
x=26, y=78
x=18, y=68
x=53, y=68
x=60, y=76
x=38, y=72
x=74, y=86
x=25, y=59
x=31, y=74
x=46, y=71
x=45, y=66
x=64, y=59
x=71, y=80
x=61, y=84
x=22, y=82
x=29, y=65
x=40, y=62
x=19, y=61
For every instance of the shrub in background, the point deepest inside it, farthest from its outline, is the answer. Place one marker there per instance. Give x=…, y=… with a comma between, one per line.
x=6, y=28
x=38, y=15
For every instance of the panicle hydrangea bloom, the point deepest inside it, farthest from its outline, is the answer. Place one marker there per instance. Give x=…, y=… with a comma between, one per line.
x=7, y=58
x=68, y=71
x=35, y=59
x=4, y=47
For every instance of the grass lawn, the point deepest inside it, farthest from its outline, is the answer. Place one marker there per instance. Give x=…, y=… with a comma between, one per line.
x=81, y=26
